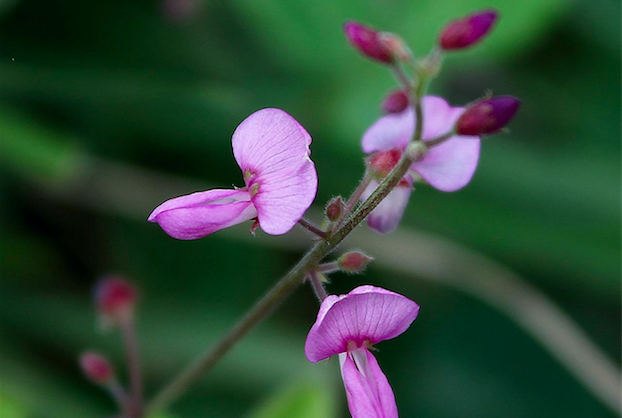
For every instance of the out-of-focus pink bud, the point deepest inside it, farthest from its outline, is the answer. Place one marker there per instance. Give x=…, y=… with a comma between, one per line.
x=487, y=116
x=396, y=102
x=381, y=163
x=353, y=262
x=467, y=31
x=368, y=42
x=335, y=208
x=115, y=298
x=96, y=368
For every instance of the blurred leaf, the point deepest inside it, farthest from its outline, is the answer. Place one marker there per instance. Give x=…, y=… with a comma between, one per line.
x=34, y=150
x=305, y=399
x=9, y=408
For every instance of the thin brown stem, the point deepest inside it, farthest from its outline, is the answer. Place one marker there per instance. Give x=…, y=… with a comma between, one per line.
x=328, y=267
x=133, y=366
x=318, y=285
x=308, y=225
x=353, y=199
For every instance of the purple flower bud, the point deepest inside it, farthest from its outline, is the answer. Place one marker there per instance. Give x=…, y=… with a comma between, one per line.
x=353, y=262
x=396, y=102
x=335, y=208
x=96, y=368
x=115, y=298
x=368, y=41
x=467, y=31
x=487, y=116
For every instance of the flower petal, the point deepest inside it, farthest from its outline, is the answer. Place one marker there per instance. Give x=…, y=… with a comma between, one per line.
x=272, y=149
x=200, y=214
x=367, y=388
x=438, y=116
x=387, y=215
x=450, y=165
x=366, y=313
x=390, y=131
x=281, y=202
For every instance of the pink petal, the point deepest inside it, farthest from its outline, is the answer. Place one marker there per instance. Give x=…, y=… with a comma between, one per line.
x=450, y=165
x=390, y=131
x=367, y=388
x=366, y=313
x=438, y=116
x=281, y=202
x=387, y=215
x=200, y=214
x=272, y=149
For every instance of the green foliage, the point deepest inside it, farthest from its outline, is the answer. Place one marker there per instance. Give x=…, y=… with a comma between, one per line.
x=101, y=111
x=304, y=399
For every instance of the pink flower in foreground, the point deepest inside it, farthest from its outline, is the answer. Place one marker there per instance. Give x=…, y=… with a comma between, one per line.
x=272, y=149
x=348, y=325
x=448, y=166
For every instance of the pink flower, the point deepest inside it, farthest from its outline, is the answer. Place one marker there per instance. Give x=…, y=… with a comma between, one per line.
x=272, y=150
x=448, y=166
x=348, y=325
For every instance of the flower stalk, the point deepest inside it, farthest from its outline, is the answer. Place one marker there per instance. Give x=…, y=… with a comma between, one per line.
x=286, y=285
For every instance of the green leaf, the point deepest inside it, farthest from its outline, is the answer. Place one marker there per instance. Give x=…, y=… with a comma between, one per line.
x=306, y=399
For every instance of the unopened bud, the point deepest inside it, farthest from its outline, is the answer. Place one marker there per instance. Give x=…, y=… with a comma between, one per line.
x=381, y=163
x=396, y=46
x=368, y=42
x=335, y=208
x=487, y=116
x=467, y=31
x=115, y=299
x=96, y=368
x=396, y=102
x=353, y=262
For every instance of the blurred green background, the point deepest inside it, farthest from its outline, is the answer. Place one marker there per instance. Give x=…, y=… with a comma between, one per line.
x=109, y=108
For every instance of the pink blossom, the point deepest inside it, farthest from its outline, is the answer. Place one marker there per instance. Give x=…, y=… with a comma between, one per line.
x=272, y=150
x=448, y=166
x=348, y=325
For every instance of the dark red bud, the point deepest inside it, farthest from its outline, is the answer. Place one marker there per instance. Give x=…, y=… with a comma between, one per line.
x=467, y=31
x=368, y=42
x=353, y=262
x=96, y=368
x=487, y=116
x=335, y=208
x=115, y=298
x=381, y=163
x=396, y=102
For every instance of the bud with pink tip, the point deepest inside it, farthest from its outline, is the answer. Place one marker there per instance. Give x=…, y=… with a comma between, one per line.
x=96, y=368
x=115, y=299
x=335, y=208
x=396, y=102
x=353, y=262
x=487, y=116
x=382, y=162
x=467, y=31
x=368, y=41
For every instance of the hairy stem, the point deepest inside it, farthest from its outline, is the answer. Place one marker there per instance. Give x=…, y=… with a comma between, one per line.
x=308, y=225
x=353, y=199
x=317, y=285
